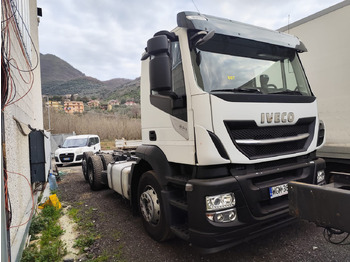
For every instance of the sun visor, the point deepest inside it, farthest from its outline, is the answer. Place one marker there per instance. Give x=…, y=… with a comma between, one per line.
x=197, y=21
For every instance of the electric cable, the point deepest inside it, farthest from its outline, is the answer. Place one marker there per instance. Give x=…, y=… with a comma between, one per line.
x=328, y=233
x=32, y=195
x=9, y=88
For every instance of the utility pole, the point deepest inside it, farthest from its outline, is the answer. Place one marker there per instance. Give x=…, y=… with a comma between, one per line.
x=48, y=112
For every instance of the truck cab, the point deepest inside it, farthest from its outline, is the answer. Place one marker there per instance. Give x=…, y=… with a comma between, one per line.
x=228, y=119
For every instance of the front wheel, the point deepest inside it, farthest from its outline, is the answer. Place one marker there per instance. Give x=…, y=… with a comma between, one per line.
x=152, y=207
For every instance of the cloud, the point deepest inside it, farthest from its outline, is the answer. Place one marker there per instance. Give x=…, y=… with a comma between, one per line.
x=105, y=39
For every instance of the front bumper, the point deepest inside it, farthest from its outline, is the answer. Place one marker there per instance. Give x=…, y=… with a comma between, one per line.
x=257, y=213
x=69, y=158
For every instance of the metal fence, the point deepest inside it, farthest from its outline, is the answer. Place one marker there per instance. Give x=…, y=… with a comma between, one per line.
x=57, y=140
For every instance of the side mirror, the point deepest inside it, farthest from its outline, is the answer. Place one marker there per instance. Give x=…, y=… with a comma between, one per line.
x=59, y=146
x=201, y=38
x=160, y=63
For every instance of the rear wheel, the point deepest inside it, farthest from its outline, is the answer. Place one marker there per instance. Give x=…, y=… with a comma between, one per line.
x=106, y=159
x=94, y=171
x=86, y=156
x=152, y=208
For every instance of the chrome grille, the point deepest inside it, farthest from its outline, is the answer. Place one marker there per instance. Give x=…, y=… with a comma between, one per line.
x=261, y=142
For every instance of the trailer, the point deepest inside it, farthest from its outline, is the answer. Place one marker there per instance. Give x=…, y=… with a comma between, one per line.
x=327, y=68
x=228, y=120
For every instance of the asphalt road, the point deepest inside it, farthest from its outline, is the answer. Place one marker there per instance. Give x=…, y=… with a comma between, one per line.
x=121, y=232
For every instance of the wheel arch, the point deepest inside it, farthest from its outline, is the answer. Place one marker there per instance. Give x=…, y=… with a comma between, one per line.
x=149, y=158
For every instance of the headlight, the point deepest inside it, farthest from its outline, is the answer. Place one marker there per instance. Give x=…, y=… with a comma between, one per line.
x=320, y=177
x=220, y=201
x=79, y=151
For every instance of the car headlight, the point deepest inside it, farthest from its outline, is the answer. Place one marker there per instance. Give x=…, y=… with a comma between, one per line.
x=79, y=151
x=222, y=201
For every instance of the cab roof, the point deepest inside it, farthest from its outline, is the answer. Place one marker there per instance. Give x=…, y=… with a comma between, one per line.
x=81, y=136
x=198, y=21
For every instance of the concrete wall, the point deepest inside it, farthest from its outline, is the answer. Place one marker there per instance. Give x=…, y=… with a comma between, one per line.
x=26, y=109
x=327, y=65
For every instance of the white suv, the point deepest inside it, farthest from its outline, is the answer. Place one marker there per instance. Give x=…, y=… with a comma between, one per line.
x=71, y=152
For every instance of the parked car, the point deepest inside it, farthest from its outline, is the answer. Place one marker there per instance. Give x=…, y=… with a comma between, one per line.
x=71, y=152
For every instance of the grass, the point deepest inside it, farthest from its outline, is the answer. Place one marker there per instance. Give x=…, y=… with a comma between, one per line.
x=83, y=218
x=48, y=247
x=107, y=126
x=108, y=144
x=88, y=235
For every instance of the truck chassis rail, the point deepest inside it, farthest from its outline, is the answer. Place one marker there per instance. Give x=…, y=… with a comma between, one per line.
x=327, y=206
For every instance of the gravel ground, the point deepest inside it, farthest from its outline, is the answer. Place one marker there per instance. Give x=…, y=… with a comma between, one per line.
x=123, y=234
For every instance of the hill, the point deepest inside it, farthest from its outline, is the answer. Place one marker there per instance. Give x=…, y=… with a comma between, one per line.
x=54, y=69
x=60, y=78
x=128, y=91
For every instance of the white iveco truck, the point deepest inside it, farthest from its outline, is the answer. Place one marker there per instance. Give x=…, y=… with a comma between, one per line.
x=228, y=119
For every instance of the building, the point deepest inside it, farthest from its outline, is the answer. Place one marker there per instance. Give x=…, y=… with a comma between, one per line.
x=94, y=103
x=114, y=102
x=55, y=105
x=21, y=112
x=130, y=103
x=72, y=107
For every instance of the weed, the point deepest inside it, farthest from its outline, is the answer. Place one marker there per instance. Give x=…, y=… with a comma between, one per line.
x=51, y=247
x=73, y=213
x=85, y=240
x=36, y=226
x=83, y=218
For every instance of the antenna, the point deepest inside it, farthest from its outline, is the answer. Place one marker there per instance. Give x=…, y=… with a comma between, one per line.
x=195, y=6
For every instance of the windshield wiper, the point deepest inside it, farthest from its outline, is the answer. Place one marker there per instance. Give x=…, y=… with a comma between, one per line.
x=239, y=90
x=287, y=92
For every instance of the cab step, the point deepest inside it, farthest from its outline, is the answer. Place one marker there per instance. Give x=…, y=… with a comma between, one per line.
x=181, y=231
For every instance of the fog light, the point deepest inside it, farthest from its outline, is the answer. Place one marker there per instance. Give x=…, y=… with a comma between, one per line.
x=222, y=216
x=220, y=201
x=320, y=177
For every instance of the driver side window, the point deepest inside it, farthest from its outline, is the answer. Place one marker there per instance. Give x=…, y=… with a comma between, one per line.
x=178, y=83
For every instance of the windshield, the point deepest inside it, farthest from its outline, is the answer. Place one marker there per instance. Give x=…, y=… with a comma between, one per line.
x=239, y=65
x=76, y=142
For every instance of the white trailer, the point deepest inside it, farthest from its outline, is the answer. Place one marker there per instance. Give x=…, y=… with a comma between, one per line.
x=326, y=35
x=228, y=120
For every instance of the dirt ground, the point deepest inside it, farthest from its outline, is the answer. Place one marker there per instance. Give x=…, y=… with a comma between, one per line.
x=122, y=238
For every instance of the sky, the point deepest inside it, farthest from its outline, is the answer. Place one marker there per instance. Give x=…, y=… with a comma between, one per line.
x=105, y=39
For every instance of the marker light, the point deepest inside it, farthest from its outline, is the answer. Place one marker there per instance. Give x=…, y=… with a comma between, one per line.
x=320, y=177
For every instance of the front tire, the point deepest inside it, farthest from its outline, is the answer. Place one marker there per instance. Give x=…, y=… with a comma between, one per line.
x=152, y=207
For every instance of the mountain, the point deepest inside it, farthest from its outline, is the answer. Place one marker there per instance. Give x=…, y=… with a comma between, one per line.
x=60, y=78
x=54, y=69
x=115, y=82
x=128, y=91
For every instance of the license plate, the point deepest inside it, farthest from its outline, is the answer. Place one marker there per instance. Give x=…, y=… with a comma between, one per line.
x=277, y=191
x=66, y=158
